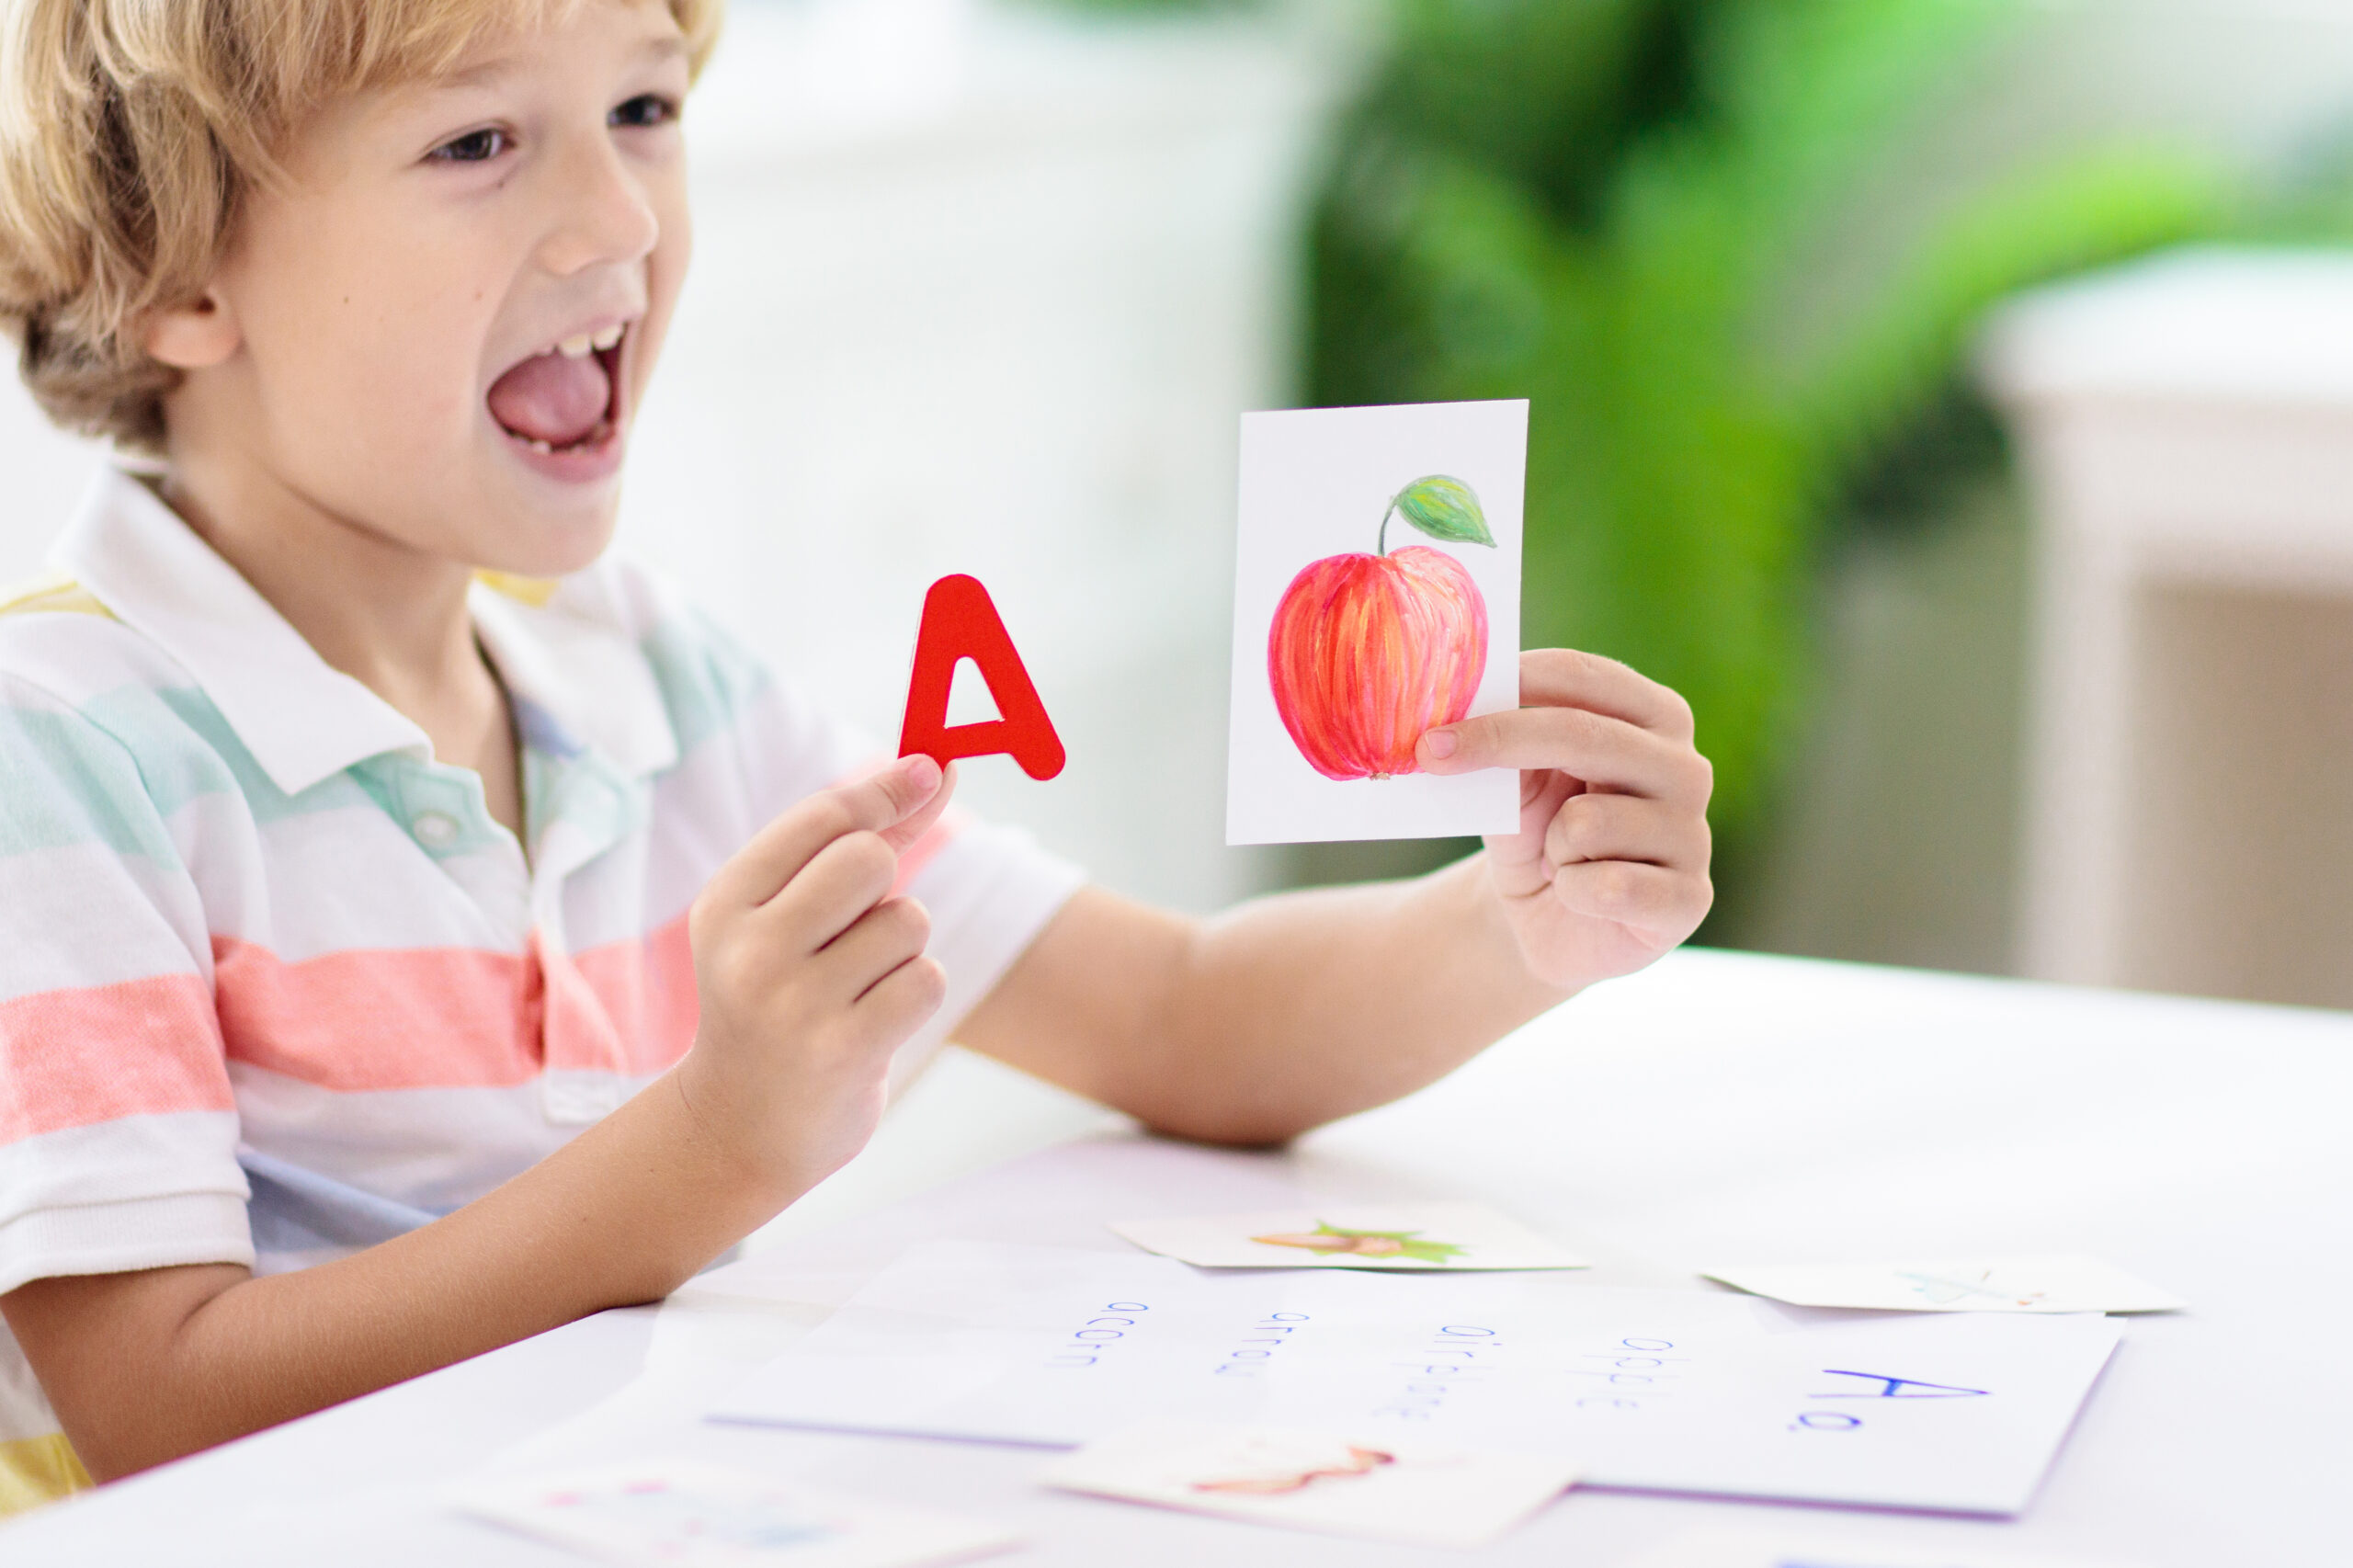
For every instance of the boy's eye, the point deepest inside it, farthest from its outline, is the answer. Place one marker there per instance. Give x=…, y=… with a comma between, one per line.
x=473, y=147
x=645, y=109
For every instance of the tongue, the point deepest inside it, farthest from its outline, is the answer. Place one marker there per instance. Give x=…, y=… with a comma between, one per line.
x=552, y=399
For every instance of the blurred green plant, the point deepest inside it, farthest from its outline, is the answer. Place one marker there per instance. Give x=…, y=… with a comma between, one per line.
x=1632, y=212
x=1637, y=214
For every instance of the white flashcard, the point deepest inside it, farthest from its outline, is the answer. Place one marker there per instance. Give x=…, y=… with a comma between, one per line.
x=1969, y=1285
x=1452, y=1236
x=1376, y=596
x=686, y=1514
x=1723, y=1547
x=1672, y=1390
x=1340, y=1483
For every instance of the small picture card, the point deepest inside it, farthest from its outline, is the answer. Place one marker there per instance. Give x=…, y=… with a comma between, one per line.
x=1717, y=1546
x=1970, y=1285
x=1455, y=1236
x=1376, y=596
x=686, y=1514
x=1387, y=1488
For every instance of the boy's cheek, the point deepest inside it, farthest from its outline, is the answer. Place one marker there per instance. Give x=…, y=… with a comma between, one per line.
x=665, y=275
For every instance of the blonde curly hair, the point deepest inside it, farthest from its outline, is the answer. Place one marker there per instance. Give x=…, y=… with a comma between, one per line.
x=128, y=131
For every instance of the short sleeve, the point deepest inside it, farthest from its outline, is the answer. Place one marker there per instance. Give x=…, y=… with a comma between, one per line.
x=118, y=1128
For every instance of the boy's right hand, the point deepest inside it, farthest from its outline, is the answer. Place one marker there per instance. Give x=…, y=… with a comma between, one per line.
x=811, y=975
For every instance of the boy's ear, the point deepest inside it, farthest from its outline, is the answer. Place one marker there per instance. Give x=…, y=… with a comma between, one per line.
x=191, y=336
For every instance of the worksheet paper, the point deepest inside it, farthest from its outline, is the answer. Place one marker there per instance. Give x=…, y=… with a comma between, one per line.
x=1965, y=1285
x=1668, y=1391
x=1454, y=1237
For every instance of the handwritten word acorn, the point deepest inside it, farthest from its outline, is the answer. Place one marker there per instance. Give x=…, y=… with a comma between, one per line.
x=1367, y=652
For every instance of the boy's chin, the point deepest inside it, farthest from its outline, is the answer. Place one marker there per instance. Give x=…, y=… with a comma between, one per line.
x=555, y=559
x=541, y=544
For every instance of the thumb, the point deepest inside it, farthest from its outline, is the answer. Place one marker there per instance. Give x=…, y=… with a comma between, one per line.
x=1466, y=745
x=928, y=789
x=889, y=802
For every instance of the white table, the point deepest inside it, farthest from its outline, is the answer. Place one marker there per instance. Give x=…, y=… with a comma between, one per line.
x=1719, y=1105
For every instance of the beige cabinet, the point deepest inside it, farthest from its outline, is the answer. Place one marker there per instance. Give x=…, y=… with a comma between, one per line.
x=2186, y=426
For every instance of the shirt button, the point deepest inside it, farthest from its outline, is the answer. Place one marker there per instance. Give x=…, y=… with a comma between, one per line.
x=434, y=830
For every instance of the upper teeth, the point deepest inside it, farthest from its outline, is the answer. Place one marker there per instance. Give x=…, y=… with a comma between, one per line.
x=586, y=343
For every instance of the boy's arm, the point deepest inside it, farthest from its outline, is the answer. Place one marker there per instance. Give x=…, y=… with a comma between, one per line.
x=145, y=1367
x=1291, y=1010
x=811, y=975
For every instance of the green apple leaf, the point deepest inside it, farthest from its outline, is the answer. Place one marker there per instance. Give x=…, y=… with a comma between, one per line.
x=1445, y=509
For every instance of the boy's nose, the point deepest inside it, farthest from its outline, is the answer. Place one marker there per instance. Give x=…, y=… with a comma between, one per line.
x=603, y=214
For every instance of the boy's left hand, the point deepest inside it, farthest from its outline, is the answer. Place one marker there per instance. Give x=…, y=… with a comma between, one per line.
x=1610, y=867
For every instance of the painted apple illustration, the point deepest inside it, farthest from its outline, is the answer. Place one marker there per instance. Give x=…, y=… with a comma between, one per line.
x=1369, y=650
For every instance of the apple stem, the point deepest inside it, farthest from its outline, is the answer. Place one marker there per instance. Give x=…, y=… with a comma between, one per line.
x=1381, y=545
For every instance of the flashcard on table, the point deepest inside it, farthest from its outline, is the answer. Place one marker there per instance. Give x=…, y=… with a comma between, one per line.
x=1967, y=1285
x=1727, y=1547
x=1338, y=1482
x=1376, y=596
x=688, y=1513
x=1668, y=1391
x=1454, y=1237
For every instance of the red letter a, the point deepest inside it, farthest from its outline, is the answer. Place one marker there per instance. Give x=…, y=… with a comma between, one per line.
x=959, y=622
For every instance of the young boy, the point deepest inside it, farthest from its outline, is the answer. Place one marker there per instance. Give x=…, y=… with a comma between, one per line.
x=391, y=965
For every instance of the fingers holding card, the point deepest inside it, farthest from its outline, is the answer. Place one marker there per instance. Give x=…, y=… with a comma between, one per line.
x=1336, y=1482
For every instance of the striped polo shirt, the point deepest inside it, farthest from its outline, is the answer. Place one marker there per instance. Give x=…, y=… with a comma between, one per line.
x=273, y=983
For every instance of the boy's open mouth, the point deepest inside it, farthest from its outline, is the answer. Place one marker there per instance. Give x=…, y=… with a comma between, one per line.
x=566, y=399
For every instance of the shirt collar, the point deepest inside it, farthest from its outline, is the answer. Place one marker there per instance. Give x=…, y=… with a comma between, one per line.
x=302, y=719
x=578, y=671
